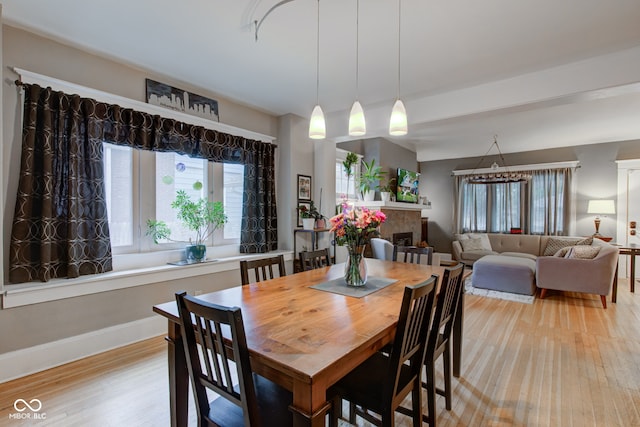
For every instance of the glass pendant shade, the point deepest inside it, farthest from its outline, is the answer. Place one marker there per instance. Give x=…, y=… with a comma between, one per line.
x=357, y=125
x=398, y=121
x=317, y=129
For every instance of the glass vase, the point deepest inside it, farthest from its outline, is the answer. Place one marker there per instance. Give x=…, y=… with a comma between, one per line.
x=355, y=269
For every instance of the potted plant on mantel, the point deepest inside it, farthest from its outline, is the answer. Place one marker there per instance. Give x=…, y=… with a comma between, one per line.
x=202, y=216
x=369, y=177
x=386, y=189
x=347, y=164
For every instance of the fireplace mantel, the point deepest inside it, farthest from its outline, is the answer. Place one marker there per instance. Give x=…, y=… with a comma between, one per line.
x=378, y=204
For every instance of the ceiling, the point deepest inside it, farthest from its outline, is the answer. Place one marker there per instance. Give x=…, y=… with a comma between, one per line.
x=537, y=73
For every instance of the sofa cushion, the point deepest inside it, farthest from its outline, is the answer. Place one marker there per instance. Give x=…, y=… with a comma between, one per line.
x=472, y=244
x=475, y=255
x=519, y=255
x=554, y=244
x=582, y=252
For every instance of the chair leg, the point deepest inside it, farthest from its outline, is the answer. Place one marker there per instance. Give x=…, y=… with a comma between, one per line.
x=352, y=413
x=603, y=298
x=543, y=293
x=416, y=401
x=336, y=411
x=446, y=359
x=430, y=386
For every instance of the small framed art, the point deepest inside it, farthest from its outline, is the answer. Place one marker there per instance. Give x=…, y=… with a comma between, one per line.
x=304, y=187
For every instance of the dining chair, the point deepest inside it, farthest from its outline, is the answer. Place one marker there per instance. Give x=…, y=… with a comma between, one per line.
x=439, y=340
x=380, y=383
x=253, y=400
x=310, y=260
x=262, y=268
x=381, y=249
x=412, y=254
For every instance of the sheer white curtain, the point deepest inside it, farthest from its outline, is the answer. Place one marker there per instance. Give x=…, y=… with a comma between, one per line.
x=538, y=206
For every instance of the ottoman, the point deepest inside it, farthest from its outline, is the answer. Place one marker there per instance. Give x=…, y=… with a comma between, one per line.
x=505, y=274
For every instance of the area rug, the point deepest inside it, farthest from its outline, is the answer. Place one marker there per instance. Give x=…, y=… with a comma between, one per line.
x=470, y=290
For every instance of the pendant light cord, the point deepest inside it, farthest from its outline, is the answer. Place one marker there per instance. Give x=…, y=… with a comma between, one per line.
x=399, y=27
x=318, y=58
x=357, y=47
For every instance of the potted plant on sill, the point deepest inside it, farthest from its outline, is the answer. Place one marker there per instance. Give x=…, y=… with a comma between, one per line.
x=369, y=177
x=202, y=216
x=387, y=189
x=309, y=216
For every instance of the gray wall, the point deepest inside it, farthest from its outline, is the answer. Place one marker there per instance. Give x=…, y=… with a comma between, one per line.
x=595, y=179
x=46, y=322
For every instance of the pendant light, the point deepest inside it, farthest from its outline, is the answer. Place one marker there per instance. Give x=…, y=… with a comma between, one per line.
x=357, y=125
x=398, y=120
x=317, y=128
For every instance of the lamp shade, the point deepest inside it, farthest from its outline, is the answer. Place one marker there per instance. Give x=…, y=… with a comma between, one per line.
x=357, y=125
x=398, y=121
x=601, y=207
x=317, y=129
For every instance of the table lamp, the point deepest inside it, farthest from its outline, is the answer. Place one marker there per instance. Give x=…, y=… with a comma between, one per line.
x=600, y=207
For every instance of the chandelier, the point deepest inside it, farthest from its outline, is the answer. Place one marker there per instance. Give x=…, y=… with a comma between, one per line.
x=498, y=177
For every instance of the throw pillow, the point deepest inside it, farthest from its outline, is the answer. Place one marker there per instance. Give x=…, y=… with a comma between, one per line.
x=554, y=244
x=563, y=251
x=472, y=244
x=583, y=252
x=484, y=237
x=586, y=241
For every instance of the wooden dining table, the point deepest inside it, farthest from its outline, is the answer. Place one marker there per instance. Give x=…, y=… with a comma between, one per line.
x=306, y=339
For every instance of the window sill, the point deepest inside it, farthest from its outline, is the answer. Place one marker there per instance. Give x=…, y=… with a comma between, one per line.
x=33, y=293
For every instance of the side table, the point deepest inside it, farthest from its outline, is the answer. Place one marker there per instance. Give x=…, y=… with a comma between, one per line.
x=632, y=250
x=314, y=244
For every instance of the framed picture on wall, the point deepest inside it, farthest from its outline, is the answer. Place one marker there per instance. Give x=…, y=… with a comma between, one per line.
x=304, y=187
x=300, y=205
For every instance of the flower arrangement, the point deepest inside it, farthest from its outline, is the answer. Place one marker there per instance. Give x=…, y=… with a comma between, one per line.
x=353, y=228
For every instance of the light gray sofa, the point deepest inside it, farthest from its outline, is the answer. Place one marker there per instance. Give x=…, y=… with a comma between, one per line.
x=552, y=269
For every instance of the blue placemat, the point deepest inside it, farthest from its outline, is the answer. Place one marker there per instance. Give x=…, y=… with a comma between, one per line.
x=339, y=286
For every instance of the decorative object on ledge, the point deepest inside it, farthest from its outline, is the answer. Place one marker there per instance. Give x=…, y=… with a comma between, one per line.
x=600, y=207
x=503, y=177
x=370, y=175
x=180, y=100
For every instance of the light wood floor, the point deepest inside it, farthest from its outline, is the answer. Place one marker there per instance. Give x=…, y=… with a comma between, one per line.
x=562, y=361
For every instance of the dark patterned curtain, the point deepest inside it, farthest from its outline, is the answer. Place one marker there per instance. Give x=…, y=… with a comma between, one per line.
x=60, y=226
x=83, y=128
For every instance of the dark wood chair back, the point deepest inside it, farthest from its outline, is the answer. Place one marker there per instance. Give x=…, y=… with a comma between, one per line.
x=221, y=365
x=208, y=321
x=395, y=375
x=263, y=269
x=310, y=260
x=413, y=254
x=438, y=342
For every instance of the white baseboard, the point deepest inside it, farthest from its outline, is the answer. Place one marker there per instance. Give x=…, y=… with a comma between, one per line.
x=30, y=360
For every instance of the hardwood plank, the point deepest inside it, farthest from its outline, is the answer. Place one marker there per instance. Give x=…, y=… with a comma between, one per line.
x=563, y=361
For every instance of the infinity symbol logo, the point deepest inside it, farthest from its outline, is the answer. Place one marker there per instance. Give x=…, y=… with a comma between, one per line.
x=21, y=405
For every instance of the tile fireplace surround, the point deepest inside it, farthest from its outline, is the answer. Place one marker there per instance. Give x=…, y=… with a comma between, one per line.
x=401, y=217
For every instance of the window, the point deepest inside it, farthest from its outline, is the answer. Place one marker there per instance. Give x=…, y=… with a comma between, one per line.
x=118, y=170
x=346, y=186
x=538, y=206
x=141, y=185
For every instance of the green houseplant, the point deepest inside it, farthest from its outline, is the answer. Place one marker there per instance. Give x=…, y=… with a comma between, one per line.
x=347, y=164
x=311, y=214
x=370, y=175
x=202, y=216
x=386, y=189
